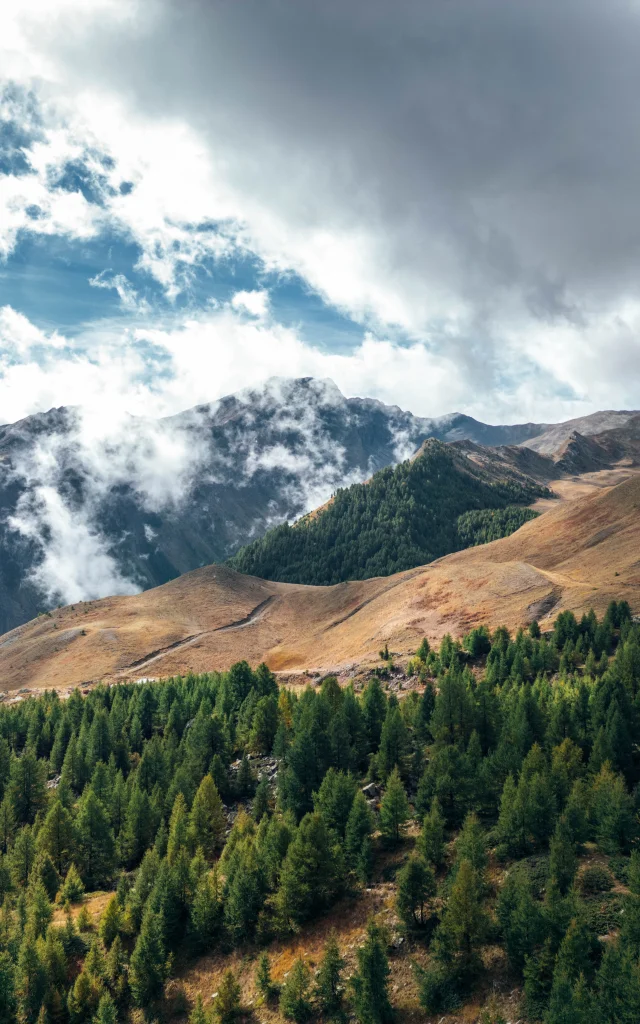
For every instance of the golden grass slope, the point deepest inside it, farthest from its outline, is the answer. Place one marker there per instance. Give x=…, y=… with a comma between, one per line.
x=579, y=553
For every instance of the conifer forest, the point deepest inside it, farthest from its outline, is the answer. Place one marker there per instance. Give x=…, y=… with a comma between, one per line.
x=510, y=803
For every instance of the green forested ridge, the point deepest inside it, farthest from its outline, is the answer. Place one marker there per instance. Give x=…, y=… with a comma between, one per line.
x=484, y=525
x=511, y=755
x=404, y=516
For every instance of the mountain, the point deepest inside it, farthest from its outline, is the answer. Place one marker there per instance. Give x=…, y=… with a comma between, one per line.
x=576, y=555
x=90, y=506
x=402, y=517
x=548, y=440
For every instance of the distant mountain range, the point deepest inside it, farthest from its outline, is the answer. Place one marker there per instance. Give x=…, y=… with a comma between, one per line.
x=89, y=508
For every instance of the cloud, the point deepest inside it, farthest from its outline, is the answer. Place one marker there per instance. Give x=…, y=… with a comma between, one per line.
x=410, y=161
x=127, y=294
x=68, y=475
x=162, y=368
x=254, y=302
x=461, y=179
x=19, y=337
x=76, y=563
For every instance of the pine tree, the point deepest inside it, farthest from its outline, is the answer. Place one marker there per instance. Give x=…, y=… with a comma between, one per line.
x=431, y=840
x=178, y=829
x=463, y=923
x=137, y=831
x=374, y=705
x=106, y=1013
x=23, y=856
x=56, y=837
x=55, y=960
x=612, y=812
x=311, y=873
x=538, y=979
x=72, y=889
x=294, y=997
x=207, y=822
x=27, y=786
x=84, y=998
x=227, y=1004
x=520, y=918
x=370, y=983
x=205, y=912
x=264, y=983
x=7, y=824
x=617, y=987
x=245, y=782
x=558, y=911
x=582, y=1004
x=329, y=980
x=40, y=909
x=116, y=972
x=111, y=921
x=394, y=742
x=394, y=810
x=423, y=650
x=198, y=1014
x=416, y=887
x=540, y=807
x=562, y=857
x=8, y=1001
x=31, y=978
x=5, y=765
x=578, y=953
x=96, y=845
x=243, y=896
x=357, y=837
x=94, y=961
x=471, y=844
x=561, y=1009
x=334, y=800
x=261, y=800
x=83, y=920
x=44, y=871
x=576, y=813
x=149, y=964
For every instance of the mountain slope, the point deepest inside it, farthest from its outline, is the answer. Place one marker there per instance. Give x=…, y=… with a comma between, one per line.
x=402, y=517
x=578, y=554
x=548, y=440
x=89, y=507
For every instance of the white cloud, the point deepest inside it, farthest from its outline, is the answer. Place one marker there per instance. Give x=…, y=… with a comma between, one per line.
x=56, y=212
x=254, y=302
x=415, y=200
x=19, y=337
x=127, y=294
x=76, y=564
x=113, y=370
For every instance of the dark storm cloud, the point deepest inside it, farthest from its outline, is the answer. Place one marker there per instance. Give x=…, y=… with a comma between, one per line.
x=493, y=146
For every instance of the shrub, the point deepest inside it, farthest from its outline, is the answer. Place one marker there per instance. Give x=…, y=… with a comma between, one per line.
x=595, y=879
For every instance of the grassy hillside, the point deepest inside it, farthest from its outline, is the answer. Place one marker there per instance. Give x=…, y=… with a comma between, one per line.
x=403, y=517
x=477, y=835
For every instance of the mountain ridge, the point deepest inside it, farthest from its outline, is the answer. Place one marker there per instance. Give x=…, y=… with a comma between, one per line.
x=578, y=554
x=90, y=508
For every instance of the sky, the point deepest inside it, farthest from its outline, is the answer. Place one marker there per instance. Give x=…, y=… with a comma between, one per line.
x=433, y=204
